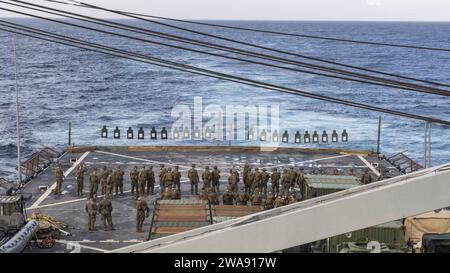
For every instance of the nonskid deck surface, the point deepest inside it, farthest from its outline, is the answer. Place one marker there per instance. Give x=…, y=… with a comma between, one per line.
x=70, y=208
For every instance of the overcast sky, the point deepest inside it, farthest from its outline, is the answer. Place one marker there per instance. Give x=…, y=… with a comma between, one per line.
x=372, y=10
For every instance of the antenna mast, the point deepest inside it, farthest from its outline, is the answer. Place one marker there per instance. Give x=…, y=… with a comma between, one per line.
x=19, y=171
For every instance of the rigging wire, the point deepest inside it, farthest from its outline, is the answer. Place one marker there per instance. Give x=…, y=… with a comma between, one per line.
x=55, y=38
x=79, y=3
x=86, y=5
x=223, y=48
x=235, y=58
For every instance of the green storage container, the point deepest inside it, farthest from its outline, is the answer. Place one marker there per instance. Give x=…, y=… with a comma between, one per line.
x=362, y=248
x=390, y=234
x=318, y=185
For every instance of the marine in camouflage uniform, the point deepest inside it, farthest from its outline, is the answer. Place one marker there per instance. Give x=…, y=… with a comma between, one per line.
x=212, y=197
x=193, y=178
x=206, y=177
x=168, y=178
x=264, y=180
x=215, y=177
x=279, y=201
x=275, y=179
x=103, y=178
x=270, y=201
x=257, y=179
x=105, y=209
x=91, y=210
x=242, y=198
x=176, y=195
x=80, y=179
x=228, y=197
x=366, y=178
x=134, y=176
x=93, y=181
x=301, y=181
x=351, y=172
x=150, y=181
x=167, y=194
x=109, y=183
x=118, y=180
x=245, y=173
x=142, y=179
x=285, y=181
x=292, y=176
x=162, y=172
x=176, y=175
x=142, y=211
x=233, y=181
x=250, y=178
x=292, y=199
x=203, y=194
x=256, y=199
x=59, y=177
x=382, y=175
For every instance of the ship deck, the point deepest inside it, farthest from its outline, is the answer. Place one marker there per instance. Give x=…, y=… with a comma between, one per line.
x=70, y=208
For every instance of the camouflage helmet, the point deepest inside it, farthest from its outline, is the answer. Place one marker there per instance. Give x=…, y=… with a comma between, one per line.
x=215, y=166
x=193, y=165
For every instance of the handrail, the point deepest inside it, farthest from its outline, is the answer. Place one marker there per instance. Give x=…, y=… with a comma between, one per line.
x=210, y=213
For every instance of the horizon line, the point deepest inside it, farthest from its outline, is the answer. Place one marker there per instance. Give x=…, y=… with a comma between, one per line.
x=256, y=20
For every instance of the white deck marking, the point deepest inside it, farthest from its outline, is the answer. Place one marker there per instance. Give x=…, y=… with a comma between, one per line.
x=307, y=161
x=67, y=202
x=56, y=204
x=142, y=159
x=109, y=241
x=369, y=165
x=132, y=241
x=52, y=187
x=79, y=243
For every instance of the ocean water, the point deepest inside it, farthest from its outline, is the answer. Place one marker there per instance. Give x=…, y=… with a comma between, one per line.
x=59, y=84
